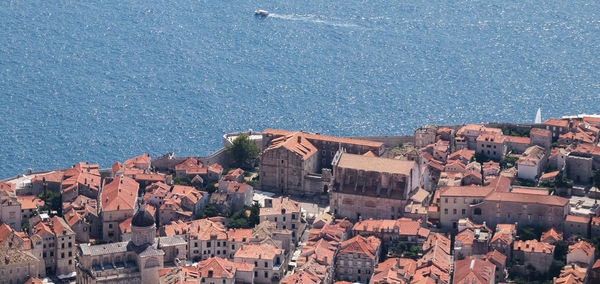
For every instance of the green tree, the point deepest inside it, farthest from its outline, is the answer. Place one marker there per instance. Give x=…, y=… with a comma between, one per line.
x=239, y=220
x=560, y=250
x=597, y=178
x=242, y=152
x=254, y=218
x=209, y=211
x=210, y=187
x=529, y=232
x=508, y=161
x=52, y=200
x=182, y=180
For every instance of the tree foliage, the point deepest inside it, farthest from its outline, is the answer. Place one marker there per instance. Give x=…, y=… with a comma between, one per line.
x=242, y=152
x=209, y=211
x=53, y=201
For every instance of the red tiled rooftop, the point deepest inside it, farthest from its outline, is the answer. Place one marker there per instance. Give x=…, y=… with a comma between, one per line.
x=557, y=122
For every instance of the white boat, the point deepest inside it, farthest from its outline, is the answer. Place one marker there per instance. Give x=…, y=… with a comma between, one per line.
x=538, y=116
x=262, y=13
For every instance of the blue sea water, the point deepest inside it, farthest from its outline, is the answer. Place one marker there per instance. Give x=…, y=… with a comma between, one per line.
x=102, y=81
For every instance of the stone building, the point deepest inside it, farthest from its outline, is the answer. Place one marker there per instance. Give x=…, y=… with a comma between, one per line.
x=10, y=210
x=541, y=137
x=582, y=253
x=557, y=127
x=393, y=231
x=58, y=241
x=285, y=213
x=491, y=145
x=577, y=225
x=134, y=261
x=457, y=202
x=117, y=202
x=18, y=264
x=425, y=135
x=372, y=187
x=268, y=261
x=219, y=270
x=357, y=258
x=474, y=270
x=46, y=182
x=538, y=254
x=293, y=162
x=523, y=208
x=503, y=238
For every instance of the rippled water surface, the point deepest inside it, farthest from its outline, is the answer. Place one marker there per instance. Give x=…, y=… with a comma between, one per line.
x=105, y=80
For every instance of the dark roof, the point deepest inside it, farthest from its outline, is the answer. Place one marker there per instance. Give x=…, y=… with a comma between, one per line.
x=142, y=218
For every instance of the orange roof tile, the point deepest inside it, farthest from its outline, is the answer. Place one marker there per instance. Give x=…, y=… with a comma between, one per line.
x=125, y=225
x=141, y=159
x=55, y=176
x=518, y=140
x=239, y=235
x=301, y=277
x=557, y=122
x=279, y=204
x=326, y=138
x=533, y=246
x=551, y=236
x=120, y=194
x=577, y=219
x=528, y=198
x=295, y=143
x=361, y=245
x=583, y=246
x=540, y=132
x=473, y=270
x=256, y=251
x=190, y=164
x=30, y=202
x=464, y=153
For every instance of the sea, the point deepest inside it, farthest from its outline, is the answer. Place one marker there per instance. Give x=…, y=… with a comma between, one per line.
x=103, y=81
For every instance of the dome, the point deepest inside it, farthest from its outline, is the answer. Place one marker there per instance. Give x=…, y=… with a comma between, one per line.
x=142, y=218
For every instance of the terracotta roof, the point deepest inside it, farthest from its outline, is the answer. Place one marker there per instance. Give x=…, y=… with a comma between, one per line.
x=239, y=235
x=33, y=280
x=6, y=186
x=533, y=246
x=527, y=190
x=125, y=225
x=596, y=265
x=233, y=175
x=528, y=198
x=551, y=236
x=55, y=176
x=473, y=270
x=30, y=202
x=326, y=138
x=549, y=176
x=295, y=143
x=219, y=268
x=369, y=154
x=301, y=277
x=587, y=148
x=470, y=190
x=361, y=245
x=202, y=229
x=518, y=140
x=189, y=164
x=394, y=270
x=540, y=131
x=464, y=153
x=262, y=251
x=583, y=246
x=496, y=256
x=279, y=204
x=120, y=194
x=375, y=164
x=557, y=122
x=577, y=219
x=236, y=187
x=404, y=226
x=72, y=217
x=141, y=159
x=491, y=137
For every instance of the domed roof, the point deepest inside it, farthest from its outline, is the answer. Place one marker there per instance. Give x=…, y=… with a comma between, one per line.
x=142, y=218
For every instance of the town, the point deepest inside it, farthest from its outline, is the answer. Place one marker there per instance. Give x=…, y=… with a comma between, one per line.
x=474, y=203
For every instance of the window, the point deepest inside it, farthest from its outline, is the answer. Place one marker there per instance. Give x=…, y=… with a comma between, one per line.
x=445, y=200
x=110, y=226
x=51, y=253
x=454, y=211
x=208, y=244
x=266, y=264
x=293, y=226
x=62, y=255
x=266, y=274
x=464, y=211
x=446, y=211
x=232, y=246
x=283, y=218
x=454, y=200
x=293, y=216
x=275, y=219
x=218, y=244
x=195, y=245
x=255, y=274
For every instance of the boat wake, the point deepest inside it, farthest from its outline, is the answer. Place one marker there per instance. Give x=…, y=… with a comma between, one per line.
x=312, y=19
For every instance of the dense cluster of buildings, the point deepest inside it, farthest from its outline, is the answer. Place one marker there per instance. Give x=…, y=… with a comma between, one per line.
x=445, y=206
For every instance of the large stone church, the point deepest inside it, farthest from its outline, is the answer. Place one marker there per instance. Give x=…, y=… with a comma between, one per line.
x=135, y=261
